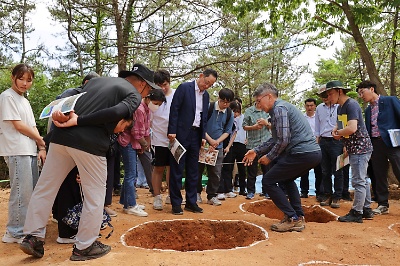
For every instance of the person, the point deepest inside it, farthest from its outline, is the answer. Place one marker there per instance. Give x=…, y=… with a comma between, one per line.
x=159, y=140
x=234, y=151
x=326, y=117
x=382, y=113
x=82, y=139
x=351, y=129
x=188, y=124
x=19, y=142
x=292, y=150
x=219, y=127
x=257, y=126
x=133, y=142
x=310, y=105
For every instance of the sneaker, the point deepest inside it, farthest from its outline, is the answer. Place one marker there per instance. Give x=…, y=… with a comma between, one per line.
x=177, y=210
x=140, y=206
x=326, y=201
x=199, y=199
x=65, y=240
x=136, y=211
x=221, y=196
x=368, y=214
x=352, y=217
x=250, y=196
x=214, y=201
x=168, y=200
x=7, y=238
x=304, y=195
x=157, y=203
x=94, y=251
x=289, y=225
x=110, y=212
x=242, y=193
x=335, y=203
x=381, y=210
x=230, y=195
x=31, y=245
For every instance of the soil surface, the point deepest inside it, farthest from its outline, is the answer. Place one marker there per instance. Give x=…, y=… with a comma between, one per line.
x=235, y=233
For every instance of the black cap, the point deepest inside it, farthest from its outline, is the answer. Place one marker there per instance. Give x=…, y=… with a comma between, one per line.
x=141, y=71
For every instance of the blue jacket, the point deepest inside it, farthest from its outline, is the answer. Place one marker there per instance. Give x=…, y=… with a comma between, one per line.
x=182, y=112
x=388, y=117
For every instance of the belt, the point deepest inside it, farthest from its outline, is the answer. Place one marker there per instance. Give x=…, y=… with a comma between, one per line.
x=194, y=128
x=327, y=138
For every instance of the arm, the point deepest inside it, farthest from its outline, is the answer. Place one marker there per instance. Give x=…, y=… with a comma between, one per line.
x=227, y=148
x=351, y=128
x=30, y=132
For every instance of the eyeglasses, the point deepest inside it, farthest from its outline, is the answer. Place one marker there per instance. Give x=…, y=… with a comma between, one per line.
x=259, y=100
x=224, y=101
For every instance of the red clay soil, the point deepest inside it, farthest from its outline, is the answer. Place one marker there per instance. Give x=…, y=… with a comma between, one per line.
x=374, y=242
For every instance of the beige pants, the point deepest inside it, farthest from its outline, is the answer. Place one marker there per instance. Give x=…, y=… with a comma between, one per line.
x=93, y=173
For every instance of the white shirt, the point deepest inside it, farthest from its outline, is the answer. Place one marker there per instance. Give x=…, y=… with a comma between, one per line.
x=15, y=107
x=159, y=124
x=311, y=121
x=241, y=133
x=199, y=105
x=325, y=120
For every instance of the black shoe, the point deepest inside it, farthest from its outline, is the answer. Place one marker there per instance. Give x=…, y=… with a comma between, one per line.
x=368, y=214
x=353, y=217
x=347, y=197
x=242, y=193
x=304, y=195
x=193, y=208
x=31, y=245
x=326, y=201
x=177, y=210
x=94, y=251
x=319, y=198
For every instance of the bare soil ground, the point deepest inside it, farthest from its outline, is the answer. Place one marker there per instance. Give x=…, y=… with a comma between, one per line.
x=153, y=240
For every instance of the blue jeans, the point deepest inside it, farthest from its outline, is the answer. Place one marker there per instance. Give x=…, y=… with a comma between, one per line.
x=129, y=158
x=24, y=174
x=362, y=191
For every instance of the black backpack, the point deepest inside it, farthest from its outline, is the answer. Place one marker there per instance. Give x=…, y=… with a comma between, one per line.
x=211, y=108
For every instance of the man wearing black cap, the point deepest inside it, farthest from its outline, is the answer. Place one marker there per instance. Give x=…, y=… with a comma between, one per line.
x=351, y=129
x=82, y=139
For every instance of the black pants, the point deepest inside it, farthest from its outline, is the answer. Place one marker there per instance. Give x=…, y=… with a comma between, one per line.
x=236, y=153
x=305, y=181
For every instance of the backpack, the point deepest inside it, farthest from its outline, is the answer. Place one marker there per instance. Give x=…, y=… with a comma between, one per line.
x=211, y=108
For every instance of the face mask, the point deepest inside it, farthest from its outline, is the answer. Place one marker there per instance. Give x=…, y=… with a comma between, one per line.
x=153, y=107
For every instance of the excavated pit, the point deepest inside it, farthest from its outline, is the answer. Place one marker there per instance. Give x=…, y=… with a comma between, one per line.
x=314, y=213
x=194, y=235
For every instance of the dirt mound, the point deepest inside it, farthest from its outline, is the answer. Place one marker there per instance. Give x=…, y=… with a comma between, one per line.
x=194, y=235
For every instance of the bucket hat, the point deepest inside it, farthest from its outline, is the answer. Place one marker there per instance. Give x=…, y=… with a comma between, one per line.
x=141, y=71
x=335, y=84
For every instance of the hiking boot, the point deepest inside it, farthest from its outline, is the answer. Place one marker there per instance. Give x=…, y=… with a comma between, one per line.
x=352, y=217
x=214, y=201
x=326, y=201
x=368, y=214
x=94, y=251
x=157, y=203
x=381, y=210
x=289, y=225
x=335, y=203
x=31, y=245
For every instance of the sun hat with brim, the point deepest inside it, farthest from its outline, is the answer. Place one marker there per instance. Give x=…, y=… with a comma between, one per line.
x=141, y=71
x=322, y=92
x=335, y=84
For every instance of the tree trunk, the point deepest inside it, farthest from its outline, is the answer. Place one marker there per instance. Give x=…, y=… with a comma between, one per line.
x=393, y=54
x=362, y=47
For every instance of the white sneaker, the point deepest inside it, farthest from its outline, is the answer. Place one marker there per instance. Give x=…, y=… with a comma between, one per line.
x=136, y=211
x=221, y=196
x=157, y=203
x=168, y=200
x=110, y=212
x=214, y=201
x=230, y=195
x=140, y=206
x=199, y=199
x=7, y=238
x=61, y=240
